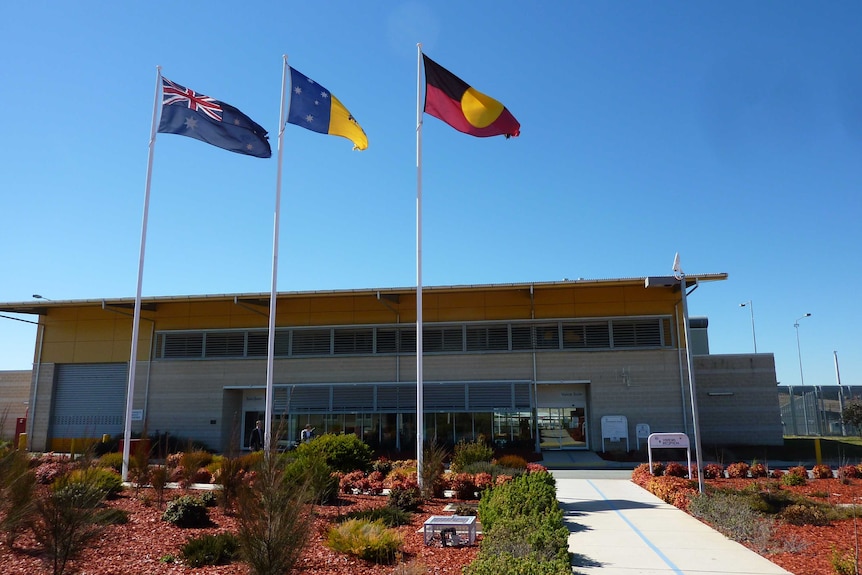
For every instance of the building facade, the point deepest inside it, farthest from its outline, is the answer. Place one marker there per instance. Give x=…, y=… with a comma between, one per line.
x=586, y=364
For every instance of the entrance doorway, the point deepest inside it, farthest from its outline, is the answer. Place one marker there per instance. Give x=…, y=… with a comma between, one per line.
x=562, y=427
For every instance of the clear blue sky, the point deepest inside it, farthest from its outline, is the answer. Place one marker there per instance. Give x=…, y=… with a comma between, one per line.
x=730, y=132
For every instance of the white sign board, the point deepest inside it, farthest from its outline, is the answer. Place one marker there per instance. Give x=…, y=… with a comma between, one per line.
x=615, y=428
x=669, y=441
x=641, y=432
x=137, y=415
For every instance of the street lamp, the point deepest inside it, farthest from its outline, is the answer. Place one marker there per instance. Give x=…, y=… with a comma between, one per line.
x=801, y=375
x=37, y=296
x=750, y=307
x=799, y=349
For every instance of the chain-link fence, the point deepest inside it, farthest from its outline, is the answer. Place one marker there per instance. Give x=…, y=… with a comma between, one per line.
x=816, y=409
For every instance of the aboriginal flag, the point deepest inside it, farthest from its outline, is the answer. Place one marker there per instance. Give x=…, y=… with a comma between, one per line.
x=452, y=100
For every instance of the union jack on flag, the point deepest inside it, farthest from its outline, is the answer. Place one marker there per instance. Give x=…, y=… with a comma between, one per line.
x=176, y=95
x=189, y=113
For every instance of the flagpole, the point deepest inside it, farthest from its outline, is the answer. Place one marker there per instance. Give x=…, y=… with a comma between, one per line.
x=270, y=349
x=136, y=317
x=420, y=407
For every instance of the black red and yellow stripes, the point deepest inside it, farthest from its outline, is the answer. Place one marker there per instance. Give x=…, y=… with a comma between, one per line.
x=452, y=100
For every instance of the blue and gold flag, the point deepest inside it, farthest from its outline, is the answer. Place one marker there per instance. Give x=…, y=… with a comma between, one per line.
x=314, y=107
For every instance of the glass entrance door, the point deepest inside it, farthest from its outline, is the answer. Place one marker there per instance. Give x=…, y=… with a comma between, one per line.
x=562, y=427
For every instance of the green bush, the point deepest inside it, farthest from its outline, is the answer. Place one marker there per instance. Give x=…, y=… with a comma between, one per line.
x=309, y=468
x=369, y=540
x=800, y=514
x=470, y=452
x=66, y=519
x=101, y=478
x=791, y=479
x=17, y=484
x=405, y=498
x=390, y=516
x=737, y=521
x=508, y=564
x=274, y=519
x=532, y=494
x=187, y=511
x=343, y=453
x=111, y=460
x=218, y=549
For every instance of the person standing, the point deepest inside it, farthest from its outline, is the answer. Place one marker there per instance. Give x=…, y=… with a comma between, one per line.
x=256, y=440
x=307, y=434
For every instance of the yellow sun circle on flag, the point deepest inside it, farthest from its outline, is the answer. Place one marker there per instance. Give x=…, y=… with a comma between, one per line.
x=480, y=110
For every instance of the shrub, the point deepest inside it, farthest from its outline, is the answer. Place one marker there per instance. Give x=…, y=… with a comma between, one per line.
x=848, y=472
x=390, y=516
x=470, y=452
x=48, y=472
x=739, y=522
x=738, y=470
x=512, y=462
x=713, y=471
x=433, y=460
x=462, y=484
x=822, y=471
x=673, y=490
x=483, y=481
x=100, y=478
x=159, y=479
x=111, y=460
x=799, y=470
x=532, y=494
x=776, y=474
x=800, y=514
x=354, y=481
x=674, y=469
x=369, y=540
x=793, y=479
x=218, y=549
x=407, y=498
x=17, y=484
x=344, y=453
x=66, y=520
x=187, y=511
x=758, y=470
x=273, y=518
x=842, y=563
x=311, y=470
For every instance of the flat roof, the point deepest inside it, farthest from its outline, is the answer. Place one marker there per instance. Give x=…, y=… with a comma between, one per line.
x=38, y=306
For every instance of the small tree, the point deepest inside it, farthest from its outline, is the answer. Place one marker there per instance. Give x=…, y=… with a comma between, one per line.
x=852, y=415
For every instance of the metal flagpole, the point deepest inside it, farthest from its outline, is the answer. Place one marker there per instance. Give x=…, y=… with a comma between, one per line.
x=420, y=407
x=680, y=275
x=270, y=348
x=136, y=317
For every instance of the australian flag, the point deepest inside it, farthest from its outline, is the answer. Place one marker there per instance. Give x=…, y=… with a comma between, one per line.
x=188, y=113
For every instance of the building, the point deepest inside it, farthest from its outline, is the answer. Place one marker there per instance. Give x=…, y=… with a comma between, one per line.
x=586, y=364
x=14, y=397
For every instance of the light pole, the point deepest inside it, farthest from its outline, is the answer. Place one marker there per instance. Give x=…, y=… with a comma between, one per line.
x=750, y=307
x=799, y=348
x=37, y=296
x=801, y=374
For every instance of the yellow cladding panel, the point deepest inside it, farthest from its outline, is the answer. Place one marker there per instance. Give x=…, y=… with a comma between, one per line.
x=598, y=294
x=94, y=352
x=599, y=309
x=59, y=352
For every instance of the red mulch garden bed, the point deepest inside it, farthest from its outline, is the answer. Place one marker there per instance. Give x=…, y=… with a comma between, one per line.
x=811, y=547
x=140, y=546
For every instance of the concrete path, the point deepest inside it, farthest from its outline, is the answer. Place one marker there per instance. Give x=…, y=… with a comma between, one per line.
x=617, y=528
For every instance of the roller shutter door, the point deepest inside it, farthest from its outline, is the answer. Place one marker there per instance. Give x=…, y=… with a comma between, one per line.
x=89, y=400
